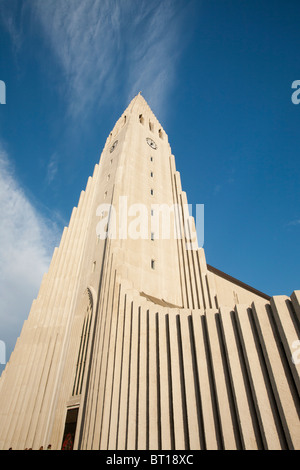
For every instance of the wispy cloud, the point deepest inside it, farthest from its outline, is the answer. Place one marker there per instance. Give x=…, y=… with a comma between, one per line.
x=81, y=35
x=294, y=222
x=12, y=20
x=52, y=168
x=153, y=61
x=27, y=240
x=108, y=49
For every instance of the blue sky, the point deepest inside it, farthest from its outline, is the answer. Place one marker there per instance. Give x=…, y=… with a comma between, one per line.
x=218, y=76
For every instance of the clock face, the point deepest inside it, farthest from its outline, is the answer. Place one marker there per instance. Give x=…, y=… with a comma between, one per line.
x=151, y=143
x=112, y=148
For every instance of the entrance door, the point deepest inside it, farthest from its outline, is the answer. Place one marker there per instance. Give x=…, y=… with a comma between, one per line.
x=70, y=429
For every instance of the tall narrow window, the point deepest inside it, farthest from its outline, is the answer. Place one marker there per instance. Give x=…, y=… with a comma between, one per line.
x=141, y=119
x=151, y=174
x=152, y=236
x=152, y=264
x=151, y=191
x=151, y=159
x=83, y=346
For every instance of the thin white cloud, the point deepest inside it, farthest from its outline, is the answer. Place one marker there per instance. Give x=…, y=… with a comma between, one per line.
x=294, y=222
x=84, y=37
x=26, y=245
x=152, y=64
x=106, y=48
x=13, y=24
x=52, y=168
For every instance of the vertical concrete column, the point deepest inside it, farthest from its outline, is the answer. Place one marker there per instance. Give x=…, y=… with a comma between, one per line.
x=222, y=396
x=204, y=374
x=281, y=388
x=241, y=402
x=256, y=375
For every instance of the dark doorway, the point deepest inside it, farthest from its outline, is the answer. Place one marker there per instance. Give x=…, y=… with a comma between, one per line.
x=70, y=429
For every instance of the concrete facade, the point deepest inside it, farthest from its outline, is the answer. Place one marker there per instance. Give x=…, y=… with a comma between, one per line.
x=134, y=342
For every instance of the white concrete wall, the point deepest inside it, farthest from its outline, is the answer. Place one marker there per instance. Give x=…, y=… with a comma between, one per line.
x=177, y=356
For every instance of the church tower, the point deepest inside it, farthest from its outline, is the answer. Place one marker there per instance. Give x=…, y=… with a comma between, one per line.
x=134, y=341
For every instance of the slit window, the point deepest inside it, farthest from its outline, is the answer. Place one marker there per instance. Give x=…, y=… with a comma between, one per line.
x=151, y=174
x=152, y=264
x=152, y=236
x=82, y=351
x=151, y=191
